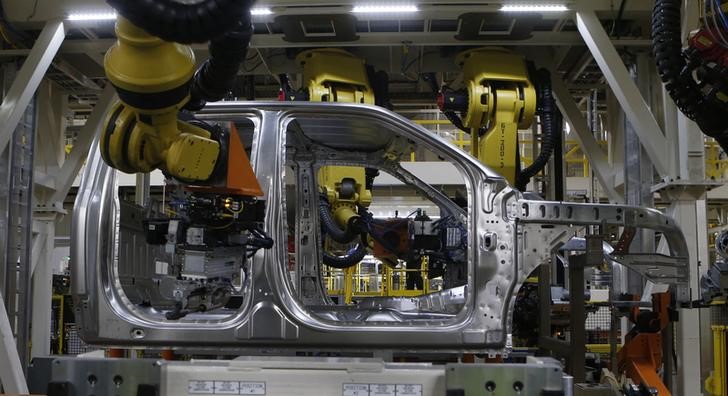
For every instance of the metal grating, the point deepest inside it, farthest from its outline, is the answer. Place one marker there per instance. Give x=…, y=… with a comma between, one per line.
x=74, y=343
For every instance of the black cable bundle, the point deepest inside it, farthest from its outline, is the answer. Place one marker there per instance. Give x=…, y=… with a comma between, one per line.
x=677, y=72
x=216, y=77
x=225, y=23
x=184, y=23
x=551, y=124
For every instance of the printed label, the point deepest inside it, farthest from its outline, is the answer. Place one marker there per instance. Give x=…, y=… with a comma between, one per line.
x=381, y=390
x=409, y=390
x=201, y=387
x=227, y=387
x=356, y=390
x=252, y=388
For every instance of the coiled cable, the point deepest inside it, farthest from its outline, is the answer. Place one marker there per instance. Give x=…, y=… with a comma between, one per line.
x=676, y=71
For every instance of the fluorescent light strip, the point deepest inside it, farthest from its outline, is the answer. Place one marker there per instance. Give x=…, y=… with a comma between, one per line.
x=92, y=16
x=534, y=8
x=383, y=9
x=261, y=11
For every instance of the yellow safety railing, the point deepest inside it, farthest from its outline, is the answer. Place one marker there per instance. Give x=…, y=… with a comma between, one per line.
x=716, y=382
x=601, y=349
x=352, y=283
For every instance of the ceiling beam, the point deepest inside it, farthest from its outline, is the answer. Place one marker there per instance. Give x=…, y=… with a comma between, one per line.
x=24, y=13
x=374, y=39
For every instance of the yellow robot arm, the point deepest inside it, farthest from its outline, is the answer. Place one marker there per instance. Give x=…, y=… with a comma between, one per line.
x=498, y=100
x=142, y=132
x=334, y=75
x=156, y=78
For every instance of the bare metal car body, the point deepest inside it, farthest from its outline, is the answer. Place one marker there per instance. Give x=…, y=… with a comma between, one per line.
x=508, y=237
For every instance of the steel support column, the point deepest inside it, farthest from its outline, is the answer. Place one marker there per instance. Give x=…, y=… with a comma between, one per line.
x=49, y=206
x=638, y=174
x=29, y=77
x=689, y=210
x=636, y=109
x=42, y=289
x=11, y=370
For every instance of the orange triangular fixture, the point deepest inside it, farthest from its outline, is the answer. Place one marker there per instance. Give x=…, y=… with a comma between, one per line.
x=240, y=176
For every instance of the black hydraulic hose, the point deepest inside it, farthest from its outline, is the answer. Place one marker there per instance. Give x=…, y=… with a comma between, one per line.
x=431, y=80
x=216, y=77
x=184, y=23
x=455, y=120
x=330, y=226
x=550, y=128
x=351, y=259
x=677, y=74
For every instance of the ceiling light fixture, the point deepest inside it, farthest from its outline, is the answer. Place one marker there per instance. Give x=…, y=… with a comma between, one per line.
x=534, y=8
x=261, y=11
x=384, y=8
x=92, y=16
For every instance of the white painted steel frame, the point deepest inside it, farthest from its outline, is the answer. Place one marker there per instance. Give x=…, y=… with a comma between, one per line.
x=29, y=77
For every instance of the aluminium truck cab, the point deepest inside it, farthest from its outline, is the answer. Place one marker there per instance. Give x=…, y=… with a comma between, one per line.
x=148, y=276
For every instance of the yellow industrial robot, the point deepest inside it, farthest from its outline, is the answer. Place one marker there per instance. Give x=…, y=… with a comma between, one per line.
x=499, y=97
x=334, y=75
x=155, y=79
x=344, y=189
x=216, y=193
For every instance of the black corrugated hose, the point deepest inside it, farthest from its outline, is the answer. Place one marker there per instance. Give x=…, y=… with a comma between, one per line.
x=677, y=74
x=216, y=77
x=330, y=226
x=431, y=80
x=351, y=259
x=226, y=24
x=331, y=229
x=550, y=127
x=183, y=23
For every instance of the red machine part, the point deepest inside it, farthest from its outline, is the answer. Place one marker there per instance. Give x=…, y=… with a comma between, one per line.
x=708, y=47
x=396, y=234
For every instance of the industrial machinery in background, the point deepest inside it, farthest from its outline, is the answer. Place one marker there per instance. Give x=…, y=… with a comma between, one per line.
x=501, y=94
x=332, y=75
x=695, y=75
x=212, y=222
x=430, y=249
x=225, y=280
x=640, y=358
